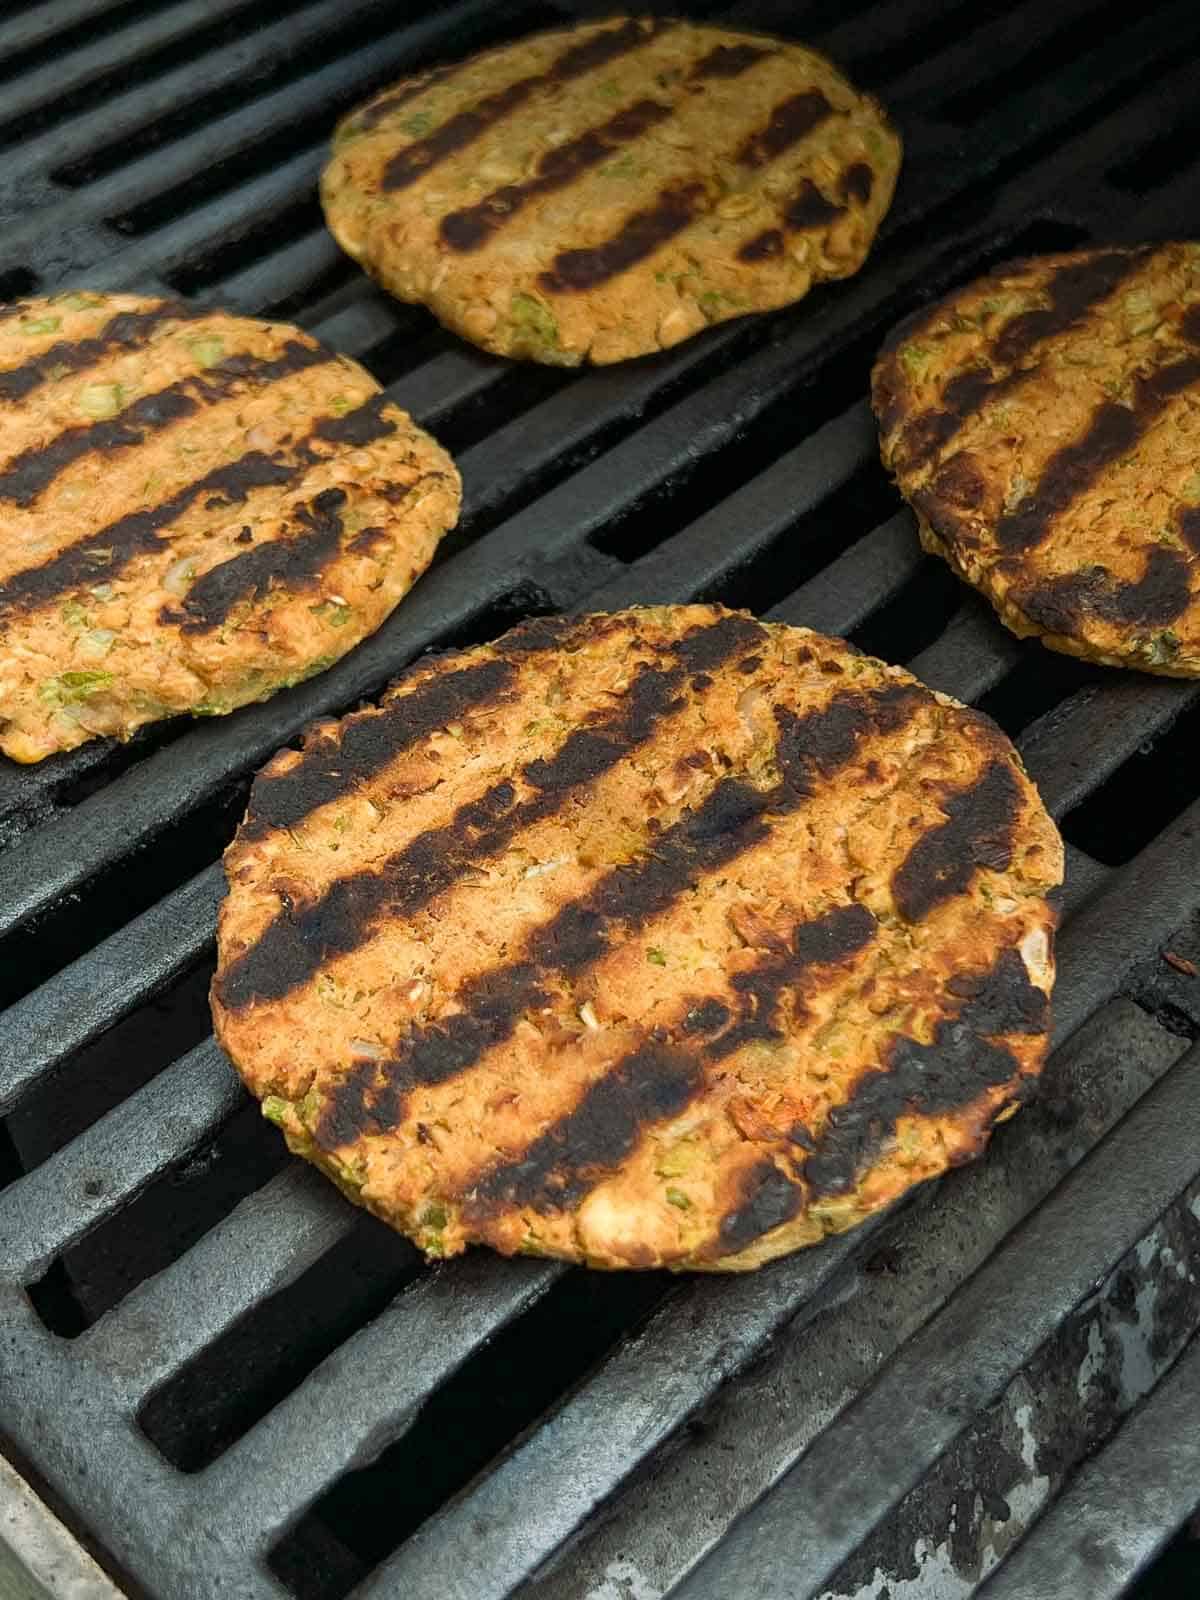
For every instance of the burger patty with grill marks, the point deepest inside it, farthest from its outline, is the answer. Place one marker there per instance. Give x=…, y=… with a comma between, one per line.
x=196, y=510
x=1044, y=423
x=660, y=938
x=604, y=191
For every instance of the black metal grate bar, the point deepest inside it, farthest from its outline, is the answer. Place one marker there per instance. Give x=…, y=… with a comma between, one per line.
x=1121, y=1508
x=273, y=1236
x=94, y=993
x=361, y=1399
x=101, y=1171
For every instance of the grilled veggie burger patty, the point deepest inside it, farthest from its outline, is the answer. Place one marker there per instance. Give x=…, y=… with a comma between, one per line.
x=196, y=510
x=604, y=191
x=1044, y=422
x=662, y=938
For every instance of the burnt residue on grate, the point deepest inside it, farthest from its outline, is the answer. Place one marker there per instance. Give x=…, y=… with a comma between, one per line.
x=230, y=1380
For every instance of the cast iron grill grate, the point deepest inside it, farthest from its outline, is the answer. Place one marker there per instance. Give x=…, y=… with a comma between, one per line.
x=234, y=1384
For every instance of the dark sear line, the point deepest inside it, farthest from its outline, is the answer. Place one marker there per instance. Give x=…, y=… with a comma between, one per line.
x=979, y=831
x=25, y=476
x=128, y=330
x=1113, y=432
x=679, y=204
x=792, y=120
x=1073, y=291
x=555, y=1172
x=729, y=60
x=857, y=183
x=291, y=563
x=106, y=553
x=1188, y=519
x=656, y=1081
x=470, y=227
x=730, y=821
x=295, y=946
x=826, y=940
x=332, y=769
x=1160, y=596
x=641, y=234
x=465, y=127
x=807, y=208
x=927, y=1079
x=768, y=1198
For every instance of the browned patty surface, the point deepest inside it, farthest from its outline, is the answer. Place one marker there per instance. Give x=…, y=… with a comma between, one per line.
x=196, y=509
x=1044, y=422
x=663, y=938
x=603, y=191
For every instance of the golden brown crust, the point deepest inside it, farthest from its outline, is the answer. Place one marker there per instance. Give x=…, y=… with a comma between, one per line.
x=196, y=509
x=663, y=938
x=604, y=191
x=1043, y=424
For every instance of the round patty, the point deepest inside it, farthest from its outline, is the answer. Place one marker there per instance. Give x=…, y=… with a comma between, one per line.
x=196, y=510
x=603, y=191
x=662, y=938
x=1044, y=422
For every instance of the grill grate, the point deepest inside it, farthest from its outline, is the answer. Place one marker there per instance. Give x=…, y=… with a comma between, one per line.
x=233, y=1383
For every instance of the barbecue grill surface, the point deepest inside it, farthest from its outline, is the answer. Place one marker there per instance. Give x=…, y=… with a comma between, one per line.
x=231, y=1383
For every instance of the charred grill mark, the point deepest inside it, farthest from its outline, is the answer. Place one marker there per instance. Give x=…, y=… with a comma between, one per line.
x=465, y=127
x=1073, y=292
x=364, y=425
x=978, y=832
x=128, y=330
x=641, y=234
x=290, y=563
x=794, y=119
x=1188, y=519
x=730, y=821
x=25, y=476
x=768, y=1199
x=764, y=246
x=707, y=1016
x=840, y=933
x=329, y=770
x=106, y=553
x=808, y=208
x=295, y=946
x=857, y=183
x=960, y=1062
x=818, y=744
x=955, y=502
x=728, y=61
x=585, y=1145
x=1114, y=432
x=469, y=228
x=704, y=648
x=1159, y=597
x=558, y=1169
